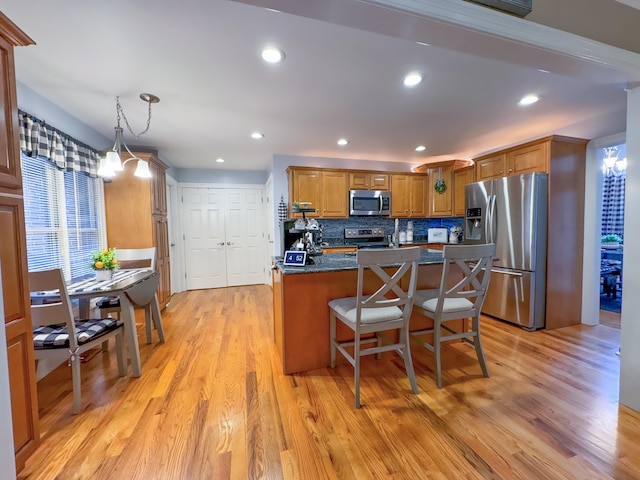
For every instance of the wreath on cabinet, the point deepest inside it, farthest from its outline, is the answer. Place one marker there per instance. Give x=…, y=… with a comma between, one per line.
x=440, y=186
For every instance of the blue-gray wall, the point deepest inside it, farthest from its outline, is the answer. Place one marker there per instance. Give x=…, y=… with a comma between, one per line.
x=43, y=109
x=216, y=176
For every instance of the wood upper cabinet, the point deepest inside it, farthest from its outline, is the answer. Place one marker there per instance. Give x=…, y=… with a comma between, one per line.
x=368, y=181
x=10, y=176
x=136, y=214
x=409, y=195
x=335, y=195
x=461, y=178
x=13, y=257
x=441, y=204
x=327, y=190
x=531, y=157
x=304, y=186
x=494, y=166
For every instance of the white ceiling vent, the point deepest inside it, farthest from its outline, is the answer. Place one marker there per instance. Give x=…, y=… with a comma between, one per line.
x=516, y=7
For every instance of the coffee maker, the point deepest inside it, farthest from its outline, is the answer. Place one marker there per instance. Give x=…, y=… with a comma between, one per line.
x=301, y=234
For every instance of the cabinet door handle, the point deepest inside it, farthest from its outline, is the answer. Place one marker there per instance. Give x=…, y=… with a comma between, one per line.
x=221, y=243
x=229, y=243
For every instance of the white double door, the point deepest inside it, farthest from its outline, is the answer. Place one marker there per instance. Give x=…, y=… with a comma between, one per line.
x=224, y=237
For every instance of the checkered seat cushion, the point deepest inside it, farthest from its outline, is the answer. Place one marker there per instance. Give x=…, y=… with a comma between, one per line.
x=108, y=302
x=57, y=336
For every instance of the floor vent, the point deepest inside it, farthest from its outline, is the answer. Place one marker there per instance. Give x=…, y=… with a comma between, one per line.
x=516, y=7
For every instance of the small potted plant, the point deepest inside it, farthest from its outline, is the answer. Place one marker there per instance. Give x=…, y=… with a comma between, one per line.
x=104, y=263
x=611, y=240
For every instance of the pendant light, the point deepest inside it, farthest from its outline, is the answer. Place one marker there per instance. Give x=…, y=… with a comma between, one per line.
x=112, y=163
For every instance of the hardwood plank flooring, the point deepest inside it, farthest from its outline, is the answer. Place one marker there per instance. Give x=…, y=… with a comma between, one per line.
x=212, y=404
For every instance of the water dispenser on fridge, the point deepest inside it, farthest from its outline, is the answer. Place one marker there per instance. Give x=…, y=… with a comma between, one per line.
x=474, y=224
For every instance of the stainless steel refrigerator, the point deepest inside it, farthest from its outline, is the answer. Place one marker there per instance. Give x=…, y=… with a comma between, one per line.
x=512, y=213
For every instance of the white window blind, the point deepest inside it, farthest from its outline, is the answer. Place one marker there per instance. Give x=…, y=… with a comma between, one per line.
x=62, y=216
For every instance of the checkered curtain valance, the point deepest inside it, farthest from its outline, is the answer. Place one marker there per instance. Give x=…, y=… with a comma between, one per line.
x=613, y=203
x=40, y=140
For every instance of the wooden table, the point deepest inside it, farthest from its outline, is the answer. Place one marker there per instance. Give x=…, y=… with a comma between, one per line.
x=133, y=287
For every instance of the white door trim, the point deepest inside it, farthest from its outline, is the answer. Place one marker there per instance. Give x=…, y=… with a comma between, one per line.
x=176, y=251
x=223, y=187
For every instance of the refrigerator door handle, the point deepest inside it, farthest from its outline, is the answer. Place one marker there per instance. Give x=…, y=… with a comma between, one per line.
x=507, y=272
x=490, y=228
x=487, y=221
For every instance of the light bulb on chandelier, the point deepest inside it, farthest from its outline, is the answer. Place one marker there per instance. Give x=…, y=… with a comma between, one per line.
x=112, y=163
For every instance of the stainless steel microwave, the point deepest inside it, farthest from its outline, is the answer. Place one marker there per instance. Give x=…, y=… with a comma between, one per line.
x=369, y=202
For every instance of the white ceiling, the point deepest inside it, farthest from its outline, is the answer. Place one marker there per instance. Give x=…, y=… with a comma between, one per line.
x=201, y=58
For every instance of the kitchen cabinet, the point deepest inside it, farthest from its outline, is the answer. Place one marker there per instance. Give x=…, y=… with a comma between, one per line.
x=461, y=178
x=409, y=195
x=493, y=166
x=456, y=174
x=368, y=181
x=441, y=204
x=531, y=157
x=326, y=190
x=563, y=159
x=136, y=215
x=13, y=258
x=335, y=198
x=338, y=249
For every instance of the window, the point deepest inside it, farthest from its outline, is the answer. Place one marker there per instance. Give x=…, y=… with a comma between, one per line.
x=62, y=216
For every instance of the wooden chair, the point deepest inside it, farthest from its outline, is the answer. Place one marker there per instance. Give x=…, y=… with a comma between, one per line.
x=388, y=308
x=463, y=300
x=57, y=337
x=131, y=258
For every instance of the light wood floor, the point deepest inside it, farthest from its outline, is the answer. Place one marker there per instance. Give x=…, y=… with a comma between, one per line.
x=212, y=404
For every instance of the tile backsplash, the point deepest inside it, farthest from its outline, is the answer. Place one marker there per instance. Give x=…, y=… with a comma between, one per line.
x=334, y=228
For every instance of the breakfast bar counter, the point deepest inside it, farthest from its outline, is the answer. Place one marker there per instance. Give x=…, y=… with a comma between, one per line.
x=300, y=301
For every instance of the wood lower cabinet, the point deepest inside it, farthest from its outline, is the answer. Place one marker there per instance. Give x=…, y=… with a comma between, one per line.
x=327, y=190
x=136, y=213
x=461, y=178
x=409, y=195
x=13, y=257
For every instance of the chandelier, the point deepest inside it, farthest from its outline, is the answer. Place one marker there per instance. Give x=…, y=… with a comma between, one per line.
x=611, y=163
x=112, y=163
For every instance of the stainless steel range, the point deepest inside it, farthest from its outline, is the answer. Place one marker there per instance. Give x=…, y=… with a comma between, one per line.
x=369, y=237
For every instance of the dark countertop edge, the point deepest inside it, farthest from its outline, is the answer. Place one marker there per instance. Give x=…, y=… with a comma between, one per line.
x=337, y=262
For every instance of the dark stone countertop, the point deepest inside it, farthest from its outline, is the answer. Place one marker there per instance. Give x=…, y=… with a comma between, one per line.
x=332, y=262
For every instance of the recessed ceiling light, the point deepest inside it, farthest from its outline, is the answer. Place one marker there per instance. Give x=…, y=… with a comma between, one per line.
x=528, y=100
x=272, y=54
x=420, y=148
x=412, y=79
x=342, y=142
x=257, y=135
x=220, y=160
